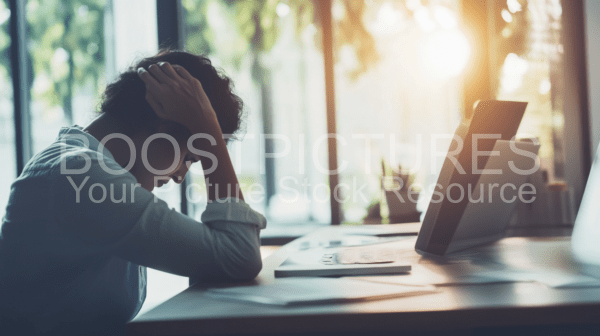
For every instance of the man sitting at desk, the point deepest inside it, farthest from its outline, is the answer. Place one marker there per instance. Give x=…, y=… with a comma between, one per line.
x=82, y=225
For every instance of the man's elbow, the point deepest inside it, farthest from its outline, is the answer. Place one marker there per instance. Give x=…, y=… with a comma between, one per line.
x=244, y=264
x=249, y=268
x=239, y=255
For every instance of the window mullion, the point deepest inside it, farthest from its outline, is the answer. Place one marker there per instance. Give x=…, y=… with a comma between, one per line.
x=576, y=105
x=20, y=78
x=327, y=29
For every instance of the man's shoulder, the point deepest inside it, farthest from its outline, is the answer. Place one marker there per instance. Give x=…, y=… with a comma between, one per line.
x=67, y=157
x=66, y=149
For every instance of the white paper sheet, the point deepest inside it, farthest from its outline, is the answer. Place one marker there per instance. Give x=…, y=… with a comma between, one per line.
x=301, y=291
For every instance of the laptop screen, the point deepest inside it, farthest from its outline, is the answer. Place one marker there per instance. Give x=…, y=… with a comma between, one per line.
x=443, y=219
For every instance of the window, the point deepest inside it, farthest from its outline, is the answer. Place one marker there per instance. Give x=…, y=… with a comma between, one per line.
x=7, y=125
x=272, y=52
x=66, y=49
x=397, y=68
x=529, y=59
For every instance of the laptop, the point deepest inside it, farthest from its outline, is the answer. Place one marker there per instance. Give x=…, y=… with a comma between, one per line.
x=449, y=226
x=458, y=220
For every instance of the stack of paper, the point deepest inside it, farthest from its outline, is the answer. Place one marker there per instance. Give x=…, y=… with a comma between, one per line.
x=387, y=258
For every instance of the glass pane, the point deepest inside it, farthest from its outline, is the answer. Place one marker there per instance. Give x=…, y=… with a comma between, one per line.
x=529, y=58
x=8, y=169
x=397, y=68
x=272, y=52
x=66, y=46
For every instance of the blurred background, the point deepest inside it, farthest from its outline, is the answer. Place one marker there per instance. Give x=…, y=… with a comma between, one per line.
x=405, y=71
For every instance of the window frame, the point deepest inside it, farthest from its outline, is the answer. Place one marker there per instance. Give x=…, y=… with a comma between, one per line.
x=477, y=84
x=19, y=64
x=578, y=149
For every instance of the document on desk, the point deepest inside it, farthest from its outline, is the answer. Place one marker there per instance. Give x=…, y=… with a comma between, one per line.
x=410, y=229
x=467, y=273
x=305, y=291
x=548, y=277
x=442, y=275
x=389, y=258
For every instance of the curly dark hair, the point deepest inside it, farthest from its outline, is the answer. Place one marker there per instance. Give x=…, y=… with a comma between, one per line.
x=125, y=99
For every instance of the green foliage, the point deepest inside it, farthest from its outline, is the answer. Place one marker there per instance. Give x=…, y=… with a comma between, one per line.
x=256, y=24
x=66, y=45
x=199, y=40
x=210, y=29
x=351, y=31
x=4, y=42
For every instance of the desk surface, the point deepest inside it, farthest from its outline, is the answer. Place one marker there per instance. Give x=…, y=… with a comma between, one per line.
x=452, y=307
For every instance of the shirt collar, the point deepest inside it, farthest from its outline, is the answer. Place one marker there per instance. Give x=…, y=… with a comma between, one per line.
x=76, y=132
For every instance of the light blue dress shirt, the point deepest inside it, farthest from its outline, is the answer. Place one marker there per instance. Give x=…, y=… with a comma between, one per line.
x=78, y=235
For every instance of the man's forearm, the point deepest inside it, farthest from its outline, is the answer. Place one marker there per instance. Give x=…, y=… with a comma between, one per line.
x=221, y=182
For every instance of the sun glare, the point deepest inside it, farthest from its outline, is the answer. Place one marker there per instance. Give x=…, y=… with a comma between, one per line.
x=446, y=53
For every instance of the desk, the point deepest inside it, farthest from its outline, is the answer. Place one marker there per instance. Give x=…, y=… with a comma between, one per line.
x=452, y=308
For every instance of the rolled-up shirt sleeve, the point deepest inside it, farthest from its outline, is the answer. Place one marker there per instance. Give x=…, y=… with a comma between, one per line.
x=225, y=245
x=144, y=230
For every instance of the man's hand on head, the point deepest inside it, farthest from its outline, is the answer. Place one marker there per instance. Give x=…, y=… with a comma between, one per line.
x=176, y=95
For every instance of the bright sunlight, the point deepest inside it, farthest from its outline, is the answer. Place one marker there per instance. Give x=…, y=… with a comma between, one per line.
x=445, y=54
